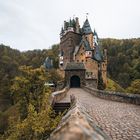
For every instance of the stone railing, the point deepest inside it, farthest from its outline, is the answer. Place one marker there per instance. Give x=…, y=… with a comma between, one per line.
x=58, y=95
x=115, y=96
x=77, y=125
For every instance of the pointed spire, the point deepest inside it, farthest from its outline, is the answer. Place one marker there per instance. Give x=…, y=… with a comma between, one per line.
x=95, y=33
x=62, y=30
x=86, y=27
x=73, y=22
x=70, y=23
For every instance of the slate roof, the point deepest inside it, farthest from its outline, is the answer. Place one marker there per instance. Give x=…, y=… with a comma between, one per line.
x=86, y=45
x=75, y=66
x=48, y=63
x=86, y=27
x=98, y=54
x=62, y=30
x=70, y=23
x=95, y=33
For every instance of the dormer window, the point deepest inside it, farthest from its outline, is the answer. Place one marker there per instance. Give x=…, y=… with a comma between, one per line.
x=61, y=58
x=61, y=63
x=88, y=54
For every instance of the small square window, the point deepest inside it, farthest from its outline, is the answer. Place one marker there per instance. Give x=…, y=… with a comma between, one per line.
x=89, y=53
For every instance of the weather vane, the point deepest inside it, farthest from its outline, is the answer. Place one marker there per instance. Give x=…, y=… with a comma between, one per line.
x=87, y=15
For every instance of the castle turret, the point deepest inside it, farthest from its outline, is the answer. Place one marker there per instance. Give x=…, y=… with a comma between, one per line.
x=48, y=63
x=95, y=36
x=62, y=32
x=88, y=49
x=70, y=26
x=74, y=24
x=86, y=28
x=87, y=31
x=77, y=26
x=69, y=40
x=65, y=25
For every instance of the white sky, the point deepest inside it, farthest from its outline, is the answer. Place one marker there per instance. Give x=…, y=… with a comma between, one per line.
x=36, y=24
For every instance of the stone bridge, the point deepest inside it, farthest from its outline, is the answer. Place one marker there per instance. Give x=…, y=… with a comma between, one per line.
x=98, y=118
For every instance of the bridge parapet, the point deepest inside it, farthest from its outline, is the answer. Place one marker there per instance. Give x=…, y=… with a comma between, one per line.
x=77, y=125
x=58, y=95
x=115, y=96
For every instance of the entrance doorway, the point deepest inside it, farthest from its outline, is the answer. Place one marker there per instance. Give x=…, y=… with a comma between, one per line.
x=75, y=81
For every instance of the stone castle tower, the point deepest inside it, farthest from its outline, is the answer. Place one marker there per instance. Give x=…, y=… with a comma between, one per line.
x=80, y=46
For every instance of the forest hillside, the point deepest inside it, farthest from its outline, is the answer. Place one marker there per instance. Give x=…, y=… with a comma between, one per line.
x=23, y=67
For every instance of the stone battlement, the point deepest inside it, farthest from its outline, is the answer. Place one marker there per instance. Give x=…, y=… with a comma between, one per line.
x=115, y=96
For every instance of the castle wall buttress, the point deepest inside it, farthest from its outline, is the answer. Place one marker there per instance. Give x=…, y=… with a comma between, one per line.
x=104, y=72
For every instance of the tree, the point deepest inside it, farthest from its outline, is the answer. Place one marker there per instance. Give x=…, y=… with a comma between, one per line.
x=123, y=60
x=10, y=61
x=37, y=119
x=124, y=79
x=113, y=86
x=28, y=88
x=35, y=126
x=54, y=76
x=134, y=87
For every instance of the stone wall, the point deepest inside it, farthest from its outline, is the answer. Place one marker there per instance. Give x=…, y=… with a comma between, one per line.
x=90, y=64
x=79, y=73
x=58, y=95
x=77, y=125
x=91, y=82
x=115, y=96
x=104, y=71
x=67, y=45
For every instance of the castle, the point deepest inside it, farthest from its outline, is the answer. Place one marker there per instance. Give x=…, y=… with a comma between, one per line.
x=81, y=55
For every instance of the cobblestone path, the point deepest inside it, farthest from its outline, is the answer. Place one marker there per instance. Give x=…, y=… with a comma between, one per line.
x=121, y=121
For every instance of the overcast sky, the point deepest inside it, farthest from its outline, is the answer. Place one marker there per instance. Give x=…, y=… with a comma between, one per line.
x=36, y=24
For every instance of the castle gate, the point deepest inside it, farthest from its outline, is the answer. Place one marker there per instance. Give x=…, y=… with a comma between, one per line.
x=75, y=74
x=75, y=81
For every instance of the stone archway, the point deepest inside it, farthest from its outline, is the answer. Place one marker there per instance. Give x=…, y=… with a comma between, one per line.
x=75, y=81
